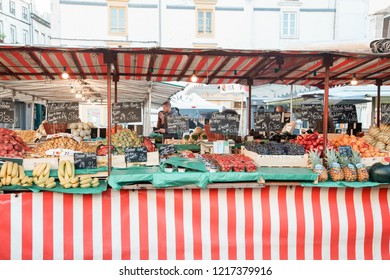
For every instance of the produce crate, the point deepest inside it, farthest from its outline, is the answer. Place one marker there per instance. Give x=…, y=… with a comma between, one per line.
x=276, y=160
x=52, y=128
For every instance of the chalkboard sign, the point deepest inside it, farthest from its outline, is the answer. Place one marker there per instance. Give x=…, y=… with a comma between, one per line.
x=268, y=121
x=63, y=112
x=127, y=112
x=177, y=124
x=85, y=160
x=345, y=151
x=226, y=124
x=385, y=113
x=312, y=112
x=7, y=109
x=136, y=154
x=343, y=113
x=167, y=150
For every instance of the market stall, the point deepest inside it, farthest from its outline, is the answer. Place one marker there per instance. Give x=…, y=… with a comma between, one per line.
x=212, y=205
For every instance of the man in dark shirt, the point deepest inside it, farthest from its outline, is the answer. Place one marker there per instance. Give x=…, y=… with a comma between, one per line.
x=168, y=111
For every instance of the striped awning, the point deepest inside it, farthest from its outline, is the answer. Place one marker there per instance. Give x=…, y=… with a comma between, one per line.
x=211, y=66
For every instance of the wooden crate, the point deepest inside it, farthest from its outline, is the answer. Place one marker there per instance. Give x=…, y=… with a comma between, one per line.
x=277, y=161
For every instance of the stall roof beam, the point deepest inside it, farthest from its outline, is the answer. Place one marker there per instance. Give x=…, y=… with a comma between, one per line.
x=9, y=72
x=259, y=65
x=39, y=63
x=186, y=67
x=78, y=65
x=220, y=67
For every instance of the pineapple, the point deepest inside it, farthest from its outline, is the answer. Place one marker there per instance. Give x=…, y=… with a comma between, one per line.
x=317, y=167
x=361, y=170
x=335, y=172
x=348, y=169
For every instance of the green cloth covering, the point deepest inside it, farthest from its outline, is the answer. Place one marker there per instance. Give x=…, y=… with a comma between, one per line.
x=54, y=172
x=131, y=175
x=176, y=179
x=191, y=163
x=228, y=177
x=287, y=174
x=182, y=147
x=97, y=190
x=12, y=188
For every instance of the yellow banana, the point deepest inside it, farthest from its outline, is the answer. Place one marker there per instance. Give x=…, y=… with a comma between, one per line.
x=30, y=181
x=75, y=185
x=21, y=172
x=24, y=179
x=61, y=168
x=94, y=185
x=1, y=184
x=69, y=169
x=86, y=181
x=8, y=180
x=9, y=168
x=95, y=180
x=15, y=170
x=41, y=185
x=74, y=180
x=66, y=176
x=50, y=180
x=63, y=182
x=51, y=185
x=67, y=186
x=3, y=179
x=85, y=185
x=46, y=171
x=34, y=173
x=41, y=181
x=15, y=181
x=41, y=169
x=3, y=171
x=73, y=170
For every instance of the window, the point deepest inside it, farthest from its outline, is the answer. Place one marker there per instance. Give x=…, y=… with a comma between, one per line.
x=12, y=7
x=24, y=13
x=205, y=22
x=118, y=20
x=386, y=27
x=13, y=34
x=289, y=25
x=26, y=40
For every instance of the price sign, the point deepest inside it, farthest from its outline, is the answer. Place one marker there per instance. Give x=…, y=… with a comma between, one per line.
x=177, y=124
x=268, y=121
x=345, y=151
x=85, y=161
x=136, y=154
x=226, y=124
x=127, y=112
x=7, y=111
x=167, y=150
x=63, y=112
x=344, y=113
x=312, y=112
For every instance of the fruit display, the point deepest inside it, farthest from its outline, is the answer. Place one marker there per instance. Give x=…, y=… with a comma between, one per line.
x=13, y=174
x=125, y=138
x=310, y=141
x=27, y=136
x=63, y=143
x=317, y=166
x=380, y=171
x=67, y=178
x=227, y=163
x=361, y=170
x=11, y=145
x=81, y=129
x=275, y=148
x=41, y=176
x=349, y=170
x=197, y=135
x=379, y=137
x=335, y=172
x=358, y=144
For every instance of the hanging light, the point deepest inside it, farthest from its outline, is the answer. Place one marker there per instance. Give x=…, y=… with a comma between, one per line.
x=354, y=80
x=65, y=74
x=194, y=78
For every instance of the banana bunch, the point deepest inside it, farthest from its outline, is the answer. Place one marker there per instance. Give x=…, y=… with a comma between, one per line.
x=66, y=174
x=86, y=181
x=12, y=173
x=41, y=176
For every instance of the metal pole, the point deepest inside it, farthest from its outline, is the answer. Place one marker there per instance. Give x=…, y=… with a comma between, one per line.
x=373, y=106
x=149, y=110
x=249, y=105
x=326, y=104
x=32, y=112
x=242, y=115
x=13, y=101
x=378, y=103
x=46, y=111
x=116, y=99
x=291, y=101
x=109, y=116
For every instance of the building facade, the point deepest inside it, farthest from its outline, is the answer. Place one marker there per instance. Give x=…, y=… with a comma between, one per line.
x=240, y=24
x=21, y=22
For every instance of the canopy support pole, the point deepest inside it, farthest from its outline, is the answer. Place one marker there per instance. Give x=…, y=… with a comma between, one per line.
x=373, y=106
x=249, y=105
x=109, y=59
x=149, y=115
x=327, y=63
x=116, y=79
x=46, y=111
x=32, y=112
x=291, y=101
x=13, y=101
x=378, y=102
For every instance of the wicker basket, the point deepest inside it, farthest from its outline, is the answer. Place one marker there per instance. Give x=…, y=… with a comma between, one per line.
x=53, y=128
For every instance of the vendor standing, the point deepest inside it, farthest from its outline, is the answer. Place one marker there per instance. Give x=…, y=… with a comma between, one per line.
x=168, y=111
